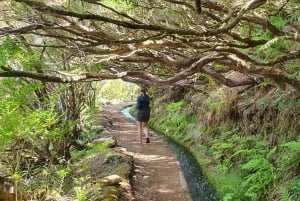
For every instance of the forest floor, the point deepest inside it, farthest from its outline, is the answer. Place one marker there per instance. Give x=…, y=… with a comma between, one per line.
x=157, y=175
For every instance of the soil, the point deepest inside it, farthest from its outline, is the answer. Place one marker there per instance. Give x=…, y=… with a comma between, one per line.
x=157, y=175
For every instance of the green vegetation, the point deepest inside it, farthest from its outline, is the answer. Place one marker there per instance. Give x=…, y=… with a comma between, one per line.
x=93, y=164
x=250, y=154
x=117, y=90
x=46, y=132
x=175, y=123
x=228, y=79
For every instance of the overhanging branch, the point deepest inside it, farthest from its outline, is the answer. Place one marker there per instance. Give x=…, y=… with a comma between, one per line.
x=62, y=78
x=25, y=29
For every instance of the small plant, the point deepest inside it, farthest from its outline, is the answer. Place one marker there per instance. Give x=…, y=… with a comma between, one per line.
x=285, y=195
x=260, y=175
x=216, y=102
x=178, y=122
x=80, y=189
x=295, y=188
x=62, y=172
x=290, y=156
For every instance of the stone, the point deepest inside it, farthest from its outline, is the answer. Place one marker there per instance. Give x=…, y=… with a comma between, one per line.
x=111, y=142
x=111, y=180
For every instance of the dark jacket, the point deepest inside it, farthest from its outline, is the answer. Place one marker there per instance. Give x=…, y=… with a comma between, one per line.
x=143, y=103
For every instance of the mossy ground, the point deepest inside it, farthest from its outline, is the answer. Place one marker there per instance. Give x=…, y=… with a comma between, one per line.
x=99, y=165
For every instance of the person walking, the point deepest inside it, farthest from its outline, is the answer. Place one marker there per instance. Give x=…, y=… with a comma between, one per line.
x=143, y=115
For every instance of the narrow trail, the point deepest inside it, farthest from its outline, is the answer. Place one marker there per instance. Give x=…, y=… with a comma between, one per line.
x=157, y=174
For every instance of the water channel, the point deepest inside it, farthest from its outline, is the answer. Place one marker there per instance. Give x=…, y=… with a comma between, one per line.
x=197, y=183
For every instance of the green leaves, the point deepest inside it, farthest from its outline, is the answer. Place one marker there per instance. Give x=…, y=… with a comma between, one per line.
x=174, y=106
x=290, y=156
x=176, y=121
x=261, y=34
x=293, y=69
x=16, y=56
x=259, y=173
x=121, y=5
x=216, y=102
x=21, y=119
x=278, y=21
x=117, y=90
x=274, y=47
x=284, y=195
x=8, y=50
x=292, y=146
x=62, y=172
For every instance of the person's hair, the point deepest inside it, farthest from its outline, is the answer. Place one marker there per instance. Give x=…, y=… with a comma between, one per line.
x=144, y=90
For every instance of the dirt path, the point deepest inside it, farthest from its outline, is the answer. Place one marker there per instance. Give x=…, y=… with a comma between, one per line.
x=157, y=174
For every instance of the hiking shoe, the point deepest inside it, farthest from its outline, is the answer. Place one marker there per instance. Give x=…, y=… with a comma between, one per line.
x=147, y=140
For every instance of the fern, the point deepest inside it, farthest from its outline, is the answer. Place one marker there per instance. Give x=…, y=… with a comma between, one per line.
x=295, y=187
x=248, y=153
x=174, y=106
x=284, y=195
x=278, y=21
x=177, y=122
x=230, y=197
x=253, y=164
x=292, y=146
x=273, y=47
x=283, y=100
x=290, y=156
x=260, y=34
x=220, y=149
x=261, y=174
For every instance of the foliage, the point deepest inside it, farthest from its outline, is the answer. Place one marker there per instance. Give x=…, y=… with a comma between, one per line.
x=278, y=21
x=62, y=172
x=30, y=133
x=80, y=188
x=285, y=195
x=290, y=156
x=174, y=107
x=295, y=187
x=117, y=90
x=16, y=57
x=92, y=149
x=177, y=122
x=274, y=47
x=261, y=175
x=216, y=102
x=37, y=123
x=121, y=5
x=100, y=37
x=243, y=166
x=131, y=39
x=294, y=69
x=18, y=119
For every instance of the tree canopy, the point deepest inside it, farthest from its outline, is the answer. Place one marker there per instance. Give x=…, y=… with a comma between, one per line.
x=52, y=51
x=158, y=43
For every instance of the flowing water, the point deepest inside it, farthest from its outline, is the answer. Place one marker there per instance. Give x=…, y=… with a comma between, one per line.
x=197, y=183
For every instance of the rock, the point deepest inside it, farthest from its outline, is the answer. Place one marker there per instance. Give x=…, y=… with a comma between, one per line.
x=111, y=180
x=111, y=142
x=97, y=129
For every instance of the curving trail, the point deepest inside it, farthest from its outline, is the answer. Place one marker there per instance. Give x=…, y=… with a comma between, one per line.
x=157, y=174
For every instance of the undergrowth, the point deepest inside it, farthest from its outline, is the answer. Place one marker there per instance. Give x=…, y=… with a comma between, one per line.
x=248, y=146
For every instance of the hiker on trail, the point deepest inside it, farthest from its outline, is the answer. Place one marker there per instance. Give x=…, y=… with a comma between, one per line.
x=143, y=115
